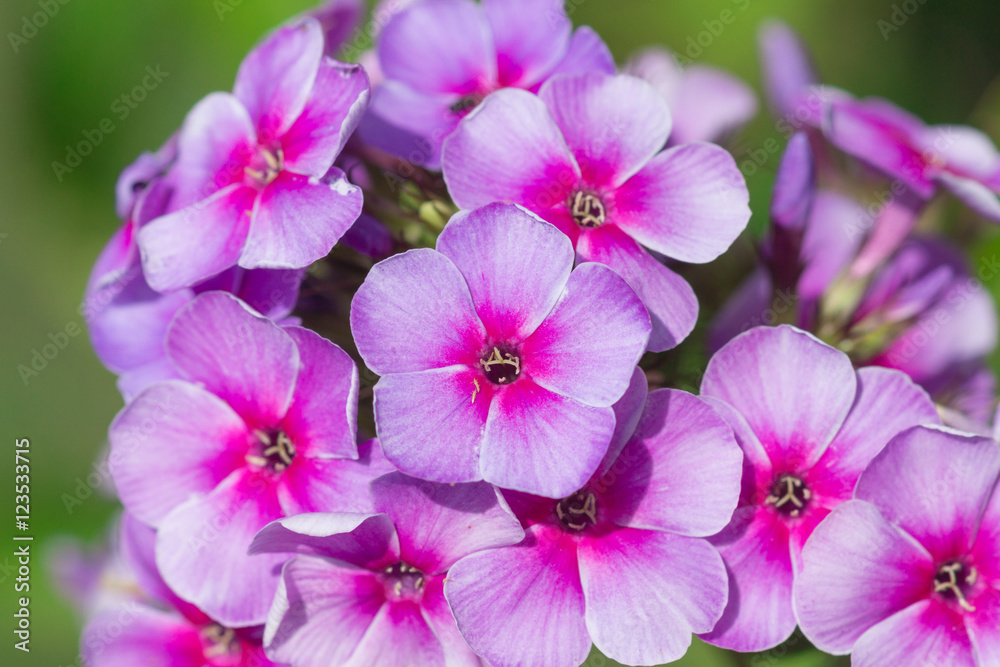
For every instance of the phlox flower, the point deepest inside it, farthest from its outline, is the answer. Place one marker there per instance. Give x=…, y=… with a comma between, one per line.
x=586, y=155
x=909, y=571
x=261, y=425
x=253, y=184
x=622, y=562
x=127, y=320
x=498, y=360
x=367, y=589
x=808, y=424
x=440, y=58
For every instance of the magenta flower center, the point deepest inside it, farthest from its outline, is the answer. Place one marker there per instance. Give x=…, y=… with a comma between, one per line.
x=954, y=581
x=265, y=166
x=587, y=209
x=789, y=495
x=403, y=581
x=220, y=642
x=500, y=365
x=272, y=451
x=578, y=511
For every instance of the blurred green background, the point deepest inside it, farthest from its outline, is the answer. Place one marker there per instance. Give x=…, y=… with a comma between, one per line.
x=942, y=64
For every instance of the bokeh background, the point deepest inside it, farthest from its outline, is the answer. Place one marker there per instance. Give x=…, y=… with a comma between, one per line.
x=69, y=76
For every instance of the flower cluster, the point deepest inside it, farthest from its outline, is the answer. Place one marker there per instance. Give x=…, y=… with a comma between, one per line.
x=396, y=344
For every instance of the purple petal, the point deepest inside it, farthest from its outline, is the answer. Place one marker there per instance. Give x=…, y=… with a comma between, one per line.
x=987, y=544
x=539, y=442
x=793, y=390
x=509, y=149
x=628, y=411
x=530, y=37
x=137, y=546
x=711, y=105
x=587, y=52
x=748, y=306
x=413, y=313
x=887, y=403
x=794, y=185
x=953, y=474
x=409, y=124
x=976, y=196
x=333, y=111
x=788, y=69
x=680, y=472
x=322, y=420
x=982, y=627
x=298, y=220
x=237, y=354
x=438, y=615
x=759, y=614
x=833, y=233
x=215, y=144
x=628, y=623
x=321, y=612
x=140, y=635
x=706, y=103
x=439, y=46
x=399, y=636
x=137, y=176
x=858, y=571
x=689, y=203
x=201, y=550
x=362, y=540
x=131, y=383
x=965, y=150
x=610, y=142
x=430, y=423
x=332, y=485
x=669, y=300
x=927, y=629
x=197, y=242
x=502, y=596
x=173, y=442
x=881, y=134
x=440, y=523
x=589, y=345
x=515, y=265
x=275, y=79
x=272, y=293
x=127, y=321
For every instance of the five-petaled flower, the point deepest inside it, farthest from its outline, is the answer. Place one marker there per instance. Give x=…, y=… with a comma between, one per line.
x=262, y=425
x=498, y=360
x=254, y=183
x=909, y=571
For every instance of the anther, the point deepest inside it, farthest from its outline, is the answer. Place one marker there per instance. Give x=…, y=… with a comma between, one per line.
x=587, y=210
x=577, y=511
x=946, y=582
x=500, y=368
x=789, y=495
